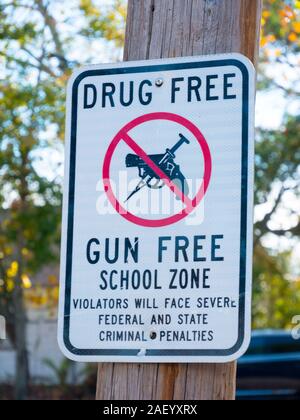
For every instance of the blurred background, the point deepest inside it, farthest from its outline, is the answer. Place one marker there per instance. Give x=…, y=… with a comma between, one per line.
x=41, y=42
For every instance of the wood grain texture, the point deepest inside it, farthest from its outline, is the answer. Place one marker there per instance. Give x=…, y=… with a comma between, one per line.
x=174, y=28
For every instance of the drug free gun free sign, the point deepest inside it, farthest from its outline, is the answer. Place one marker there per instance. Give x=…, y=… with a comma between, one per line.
x=156, y=255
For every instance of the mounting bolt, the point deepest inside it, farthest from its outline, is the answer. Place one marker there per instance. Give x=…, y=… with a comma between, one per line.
x=159, y=82
x=153, y=335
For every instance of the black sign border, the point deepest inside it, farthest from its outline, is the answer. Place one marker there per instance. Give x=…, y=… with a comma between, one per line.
x=244, y=210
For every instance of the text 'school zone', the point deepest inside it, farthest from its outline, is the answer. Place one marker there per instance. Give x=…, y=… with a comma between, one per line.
x=201, y=249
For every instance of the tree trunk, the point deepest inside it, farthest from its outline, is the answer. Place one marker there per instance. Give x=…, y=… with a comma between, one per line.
x=22, y=368
x=22, y=363
x=14, y=313
x=175, y=28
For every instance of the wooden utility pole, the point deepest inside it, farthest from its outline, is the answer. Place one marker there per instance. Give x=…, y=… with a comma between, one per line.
x=175, y=28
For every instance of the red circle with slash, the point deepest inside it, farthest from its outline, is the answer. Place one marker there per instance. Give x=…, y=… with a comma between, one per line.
x=124, y=136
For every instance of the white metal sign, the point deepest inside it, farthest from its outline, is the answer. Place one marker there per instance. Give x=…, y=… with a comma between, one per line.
x=157, y=224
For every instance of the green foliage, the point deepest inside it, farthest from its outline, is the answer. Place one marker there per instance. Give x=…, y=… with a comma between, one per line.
x=61, y=371
x=37, y=39
x=276, y=299
x=111, y=26
x=38, y=50
x=281, y=25
x=278, y=158
x=276, y=289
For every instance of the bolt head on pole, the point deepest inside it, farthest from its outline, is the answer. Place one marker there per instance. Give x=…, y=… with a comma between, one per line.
x=159, y=82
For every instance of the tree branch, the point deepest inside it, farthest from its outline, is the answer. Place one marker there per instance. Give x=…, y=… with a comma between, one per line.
x=39, y=66
x=52, y=25
x=295, y=231
x=16, y=4
x=262, y=226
